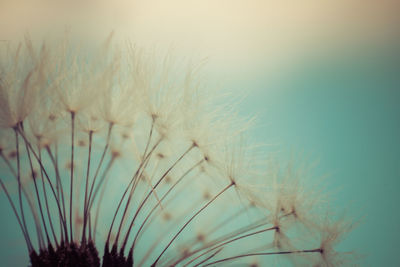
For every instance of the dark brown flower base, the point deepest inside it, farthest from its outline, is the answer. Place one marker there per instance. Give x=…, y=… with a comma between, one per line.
x=72, y=255
x=115, y=259
x=67, y=255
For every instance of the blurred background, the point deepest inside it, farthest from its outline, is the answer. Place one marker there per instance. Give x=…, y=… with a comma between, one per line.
x=323, y=78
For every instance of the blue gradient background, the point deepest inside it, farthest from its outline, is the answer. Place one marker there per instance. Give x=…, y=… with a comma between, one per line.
x=345, y=112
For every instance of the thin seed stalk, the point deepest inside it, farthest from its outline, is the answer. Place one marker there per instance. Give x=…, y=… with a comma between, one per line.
x=143, y=162
x=27, y=240
x=221, y=224
x=85, y=206
x=209, y=257
x=71, y=191
x=23, y=191
x=102, y=181
x=88, y=207
x=165, y=233
x=36, y=190
x=191, y=219
x=59, y=185
x=47, y=204
x=318, y=250
x=230, y=241
x=126, y=190
x=149, y=194
x=101, y=197
x=19, y=182
x=217, y=241
x=162, y=198
x=29, y=201
x=48, y=180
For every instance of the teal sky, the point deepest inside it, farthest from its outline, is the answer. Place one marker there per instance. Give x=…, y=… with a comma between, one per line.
x=343, y=112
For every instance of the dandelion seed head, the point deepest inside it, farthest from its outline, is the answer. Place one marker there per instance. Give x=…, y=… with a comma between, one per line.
x=110, y=146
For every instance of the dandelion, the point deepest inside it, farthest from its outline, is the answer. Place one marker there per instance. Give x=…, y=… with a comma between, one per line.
x=119, y=161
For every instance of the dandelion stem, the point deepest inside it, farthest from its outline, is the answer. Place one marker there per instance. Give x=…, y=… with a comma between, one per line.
x=59, y=185
x=29, y=201
x=131, y=193
x=223, y=238
x=128, y=186
x=191, y=219
x=165, y=233
x=97, y=170
x=23, y=191
x=8, y=164
x=71, y=191
x=135, y=179
x=36, y=189
x=162, y=198
x=90, y=226
x=27, y=240
x=39, y=203
x=149, y=139
x=36, y=221
x=85, y=206
x=48, y=180
x=228, y=236
x=264, y=254
x=101, y=197
x=209, y=257
x=149, y=179
x=222, y=224
x=19, y=181
x=102, y=180
x=149, y=194
x=47, y=204
x=230, y=241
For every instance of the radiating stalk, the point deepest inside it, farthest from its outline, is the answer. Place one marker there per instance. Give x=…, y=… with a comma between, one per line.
x=101, y=197
x=209, y=257
x=264, y=254
x=230, y=241
x=71, y=191
x=162, y=198
x=155, y=186
x=165, y=233
x=86, y=205
x=126, y=190
x=48, y=180
x=223, y=238
x=27, y=240
x=59, y=185
x=191, y=219
x=19, y=181
x=100, y=163
x=36, y=190
x=47, y=204
x=135, y=178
